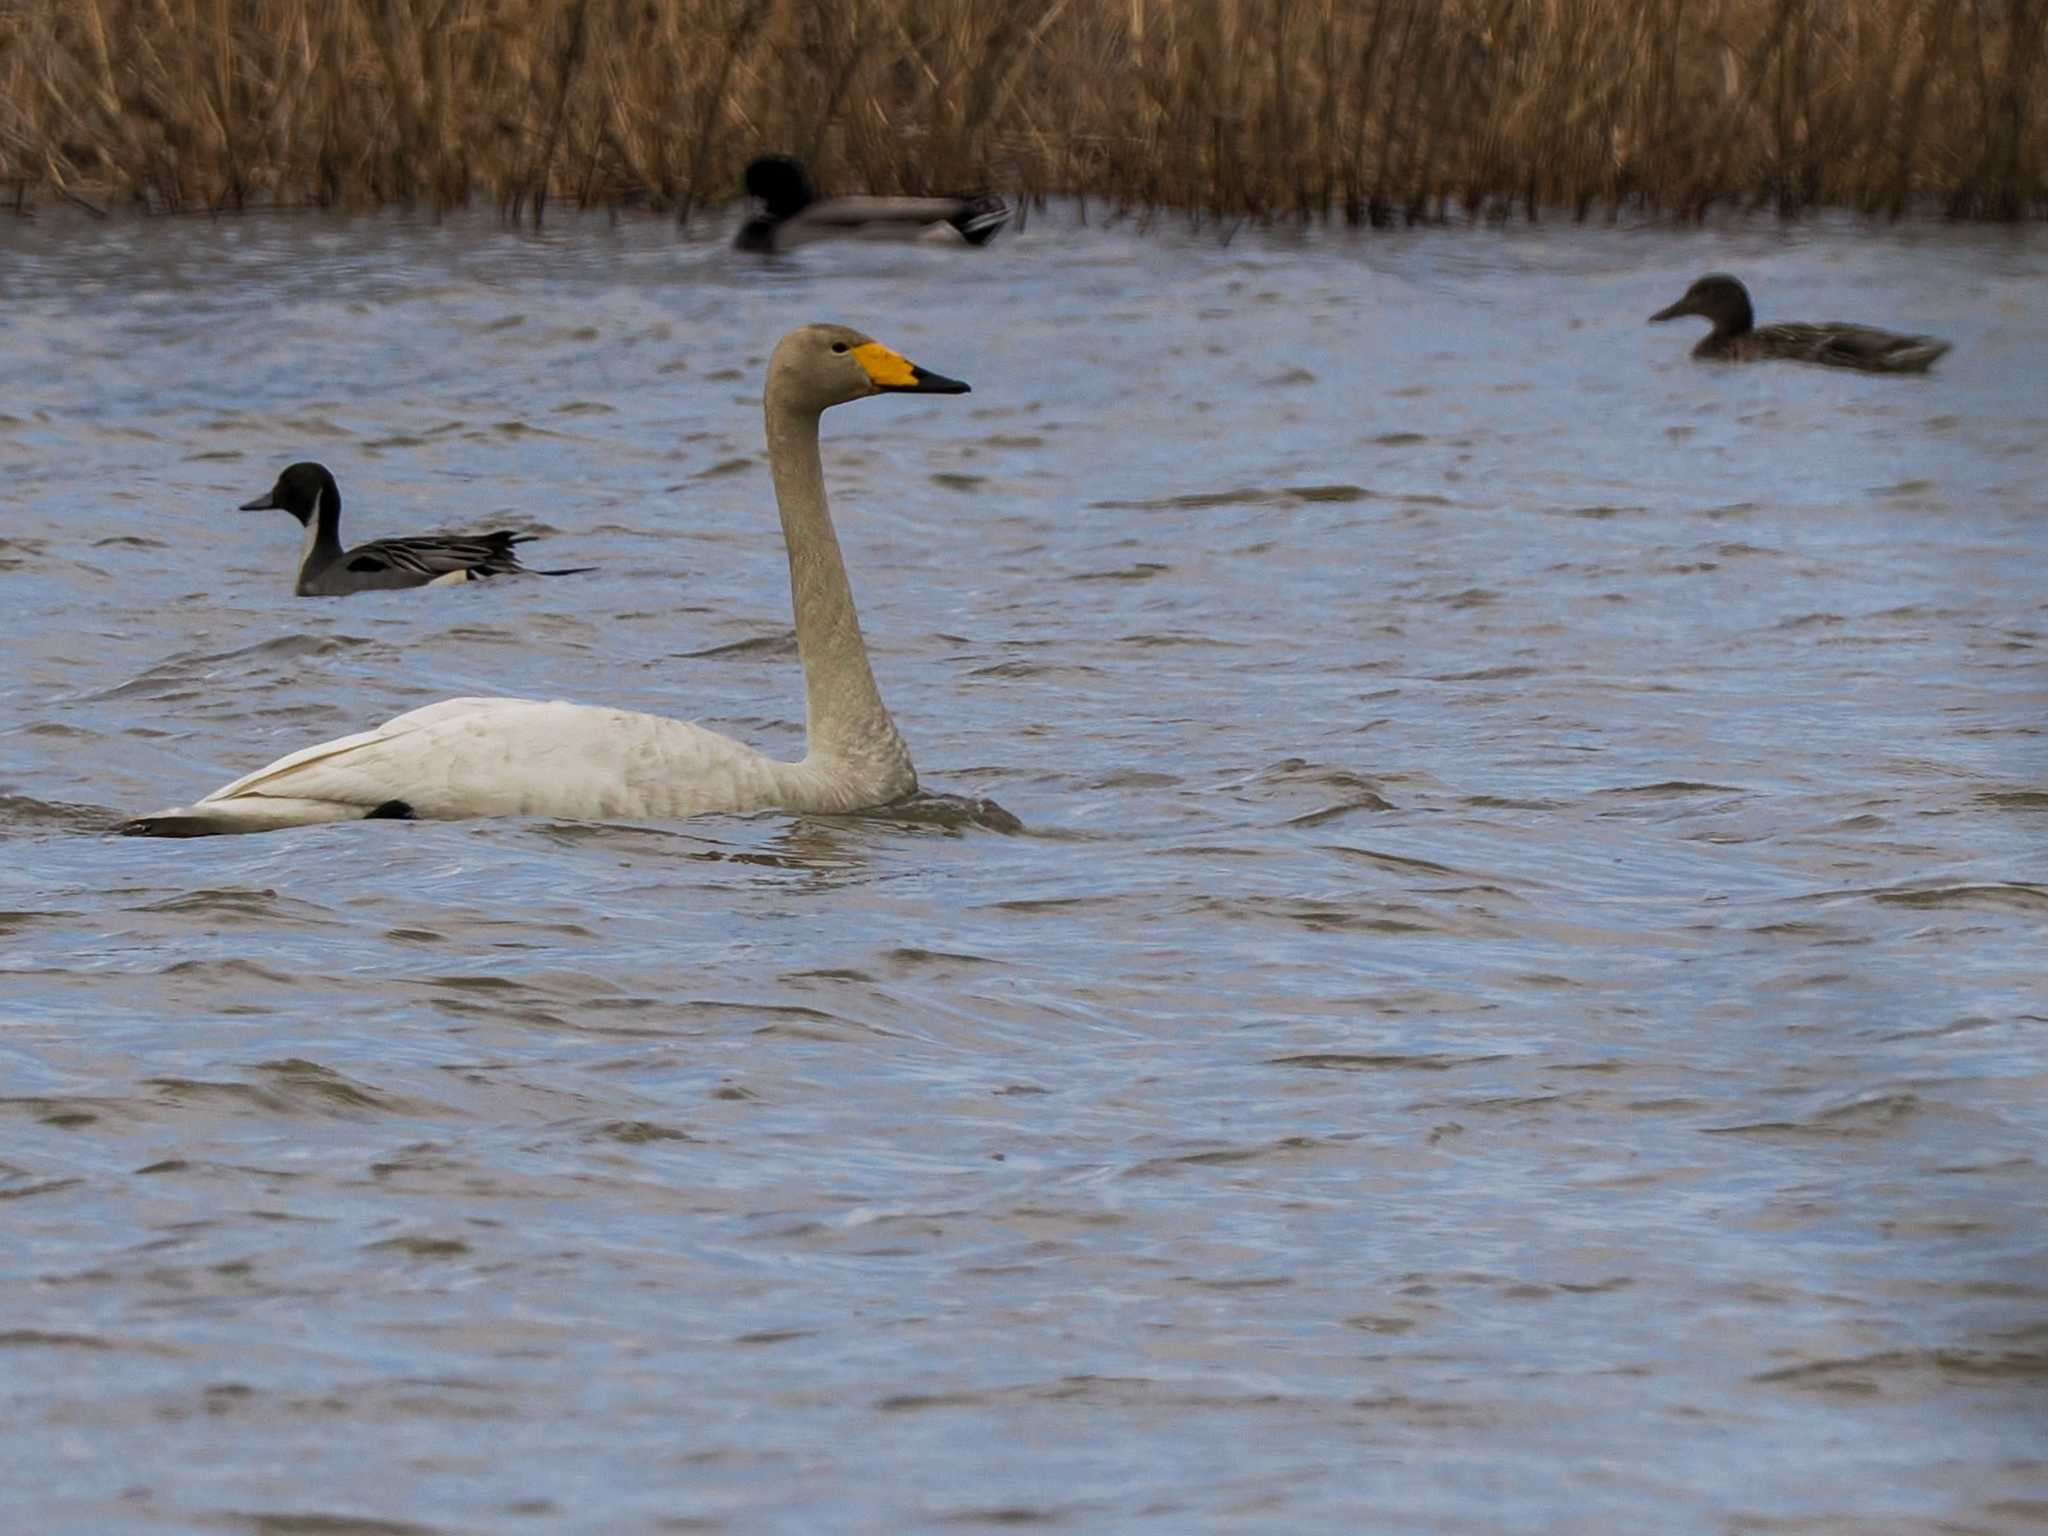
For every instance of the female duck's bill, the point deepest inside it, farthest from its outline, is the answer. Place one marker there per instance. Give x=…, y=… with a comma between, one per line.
x=1736, y=337
x=309, y=493
x=793, y=213
x=1719, y=298
x=526, y=757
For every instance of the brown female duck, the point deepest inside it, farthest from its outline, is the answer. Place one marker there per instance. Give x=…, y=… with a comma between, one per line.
x=1737, y=338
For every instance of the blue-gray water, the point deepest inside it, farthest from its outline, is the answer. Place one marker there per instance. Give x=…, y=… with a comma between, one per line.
x=1521, y=1006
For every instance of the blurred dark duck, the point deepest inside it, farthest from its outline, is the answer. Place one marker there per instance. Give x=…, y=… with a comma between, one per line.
x=794, y=214
x=309, y=493
x=1736, y=337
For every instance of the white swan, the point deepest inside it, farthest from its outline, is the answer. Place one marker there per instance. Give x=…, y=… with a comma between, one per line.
x=526, y=757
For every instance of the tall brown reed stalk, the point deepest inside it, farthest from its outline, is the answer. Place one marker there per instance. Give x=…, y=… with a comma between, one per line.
x=1366, y=110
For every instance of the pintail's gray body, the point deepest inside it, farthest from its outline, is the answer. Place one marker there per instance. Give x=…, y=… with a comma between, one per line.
x=309, y=493
x=795, y=215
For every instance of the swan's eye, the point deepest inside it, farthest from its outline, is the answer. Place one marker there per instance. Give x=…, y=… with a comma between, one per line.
x=838, y=346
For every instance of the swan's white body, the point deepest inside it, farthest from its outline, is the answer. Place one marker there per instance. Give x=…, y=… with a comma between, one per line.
x=525, y=757
x=529, y=757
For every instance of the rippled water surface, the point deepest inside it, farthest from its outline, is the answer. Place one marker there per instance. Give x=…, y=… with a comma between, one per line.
x=1520, y=1004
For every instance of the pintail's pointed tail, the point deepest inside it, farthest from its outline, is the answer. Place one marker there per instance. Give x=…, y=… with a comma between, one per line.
x=979, y=218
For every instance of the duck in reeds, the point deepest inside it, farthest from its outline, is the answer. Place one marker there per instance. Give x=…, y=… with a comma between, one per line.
x=523, y=757
x=1736, y=337
x=793, y=213
x=309, y=493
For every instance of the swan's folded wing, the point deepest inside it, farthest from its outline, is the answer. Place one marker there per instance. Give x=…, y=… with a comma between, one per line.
x=518, y=757
x=337, y=771
x=494, y=757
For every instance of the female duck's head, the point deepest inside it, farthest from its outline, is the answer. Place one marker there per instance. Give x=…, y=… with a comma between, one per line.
x=305, y=490
x=816, y=367
x=1719, y=298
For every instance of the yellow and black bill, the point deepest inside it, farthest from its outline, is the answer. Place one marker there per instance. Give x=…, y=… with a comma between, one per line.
x=893, y=371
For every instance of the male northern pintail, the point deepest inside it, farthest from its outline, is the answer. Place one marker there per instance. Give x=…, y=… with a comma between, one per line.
x=524, y=757
x=794, y=213
x=1736, y=337
x=309, y=493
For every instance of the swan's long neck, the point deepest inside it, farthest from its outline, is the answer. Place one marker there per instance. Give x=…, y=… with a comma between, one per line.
x=850, y=736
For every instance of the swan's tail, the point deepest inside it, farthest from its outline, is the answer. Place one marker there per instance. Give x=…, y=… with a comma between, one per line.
x=255, y=813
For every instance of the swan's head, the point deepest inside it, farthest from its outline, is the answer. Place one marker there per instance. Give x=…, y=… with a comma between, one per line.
x=1719, y=298
x=819, y=366
x=302, y=490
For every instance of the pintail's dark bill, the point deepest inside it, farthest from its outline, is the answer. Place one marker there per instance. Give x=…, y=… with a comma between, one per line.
x=1670, y=312
x=265, y=503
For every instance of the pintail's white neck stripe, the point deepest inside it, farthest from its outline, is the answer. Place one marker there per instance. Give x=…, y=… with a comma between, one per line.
x=312, y=539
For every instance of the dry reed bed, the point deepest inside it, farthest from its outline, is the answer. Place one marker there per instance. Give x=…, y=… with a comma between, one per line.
x=1359, y=109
